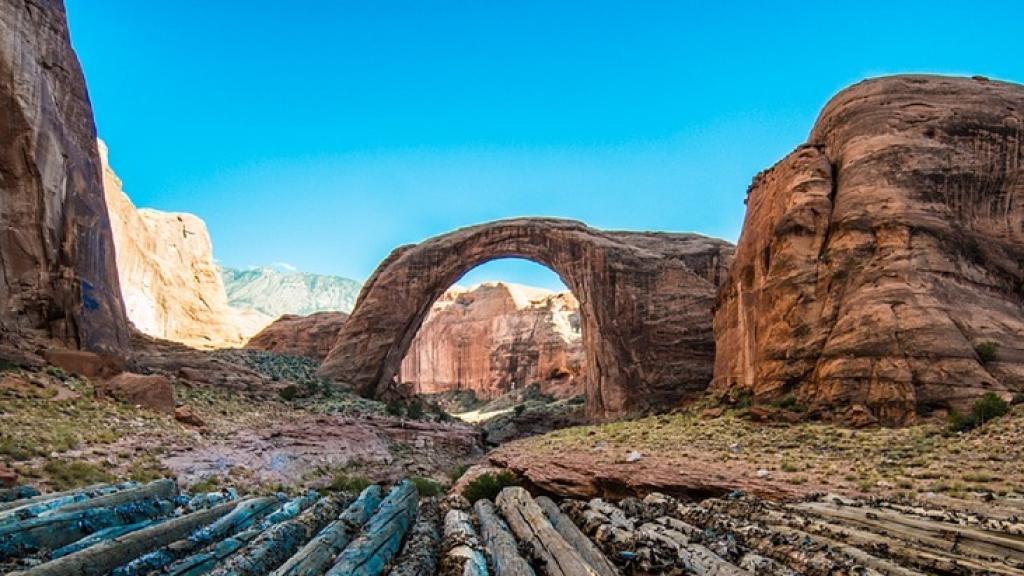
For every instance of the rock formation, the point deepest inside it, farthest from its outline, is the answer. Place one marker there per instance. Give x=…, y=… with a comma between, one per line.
x=56, y=254
x=880, y=264
x=171, y=285
x=645, y=306
x=312, y=336
x=495, y=338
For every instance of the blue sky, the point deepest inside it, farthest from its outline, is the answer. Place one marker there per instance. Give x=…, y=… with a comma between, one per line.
x=324, y=134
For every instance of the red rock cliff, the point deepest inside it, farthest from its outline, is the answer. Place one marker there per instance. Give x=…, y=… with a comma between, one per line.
x=878, y=260
x=56, y=253
x=312, y=336
x=496, y=337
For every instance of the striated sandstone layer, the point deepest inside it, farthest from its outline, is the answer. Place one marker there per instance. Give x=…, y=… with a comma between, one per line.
x=171, y=285
x=645, y=306
x=311, y=336
x=495, y=338
x=878, y=260
x=57, y=272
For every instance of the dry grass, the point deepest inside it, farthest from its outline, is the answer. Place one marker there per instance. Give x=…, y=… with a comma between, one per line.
x=905, y=461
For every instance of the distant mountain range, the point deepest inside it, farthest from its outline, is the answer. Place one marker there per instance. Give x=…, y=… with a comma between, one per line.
x=275, y=292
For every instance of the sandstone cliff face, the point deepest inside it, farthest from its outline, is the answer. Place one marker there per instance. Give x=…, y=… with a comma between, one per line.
x=879, y=258
x=57, y=272
x=495, y=338
x=171, y=286
x=311, y=336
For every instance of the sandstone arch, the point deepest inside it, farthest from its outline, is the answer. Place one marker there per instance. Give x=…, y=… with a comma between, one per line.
x=645, y=305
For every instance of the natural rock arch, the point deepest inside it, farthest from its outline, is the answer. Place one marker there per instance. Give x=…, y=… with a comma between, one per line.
x=645, y=305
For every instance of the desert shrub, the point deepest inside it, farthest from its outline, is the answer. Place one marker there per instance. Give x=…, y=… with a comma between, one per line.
x=67, y=475
x=343, y=482
x=455, y=473
x=487, y=486
x=988, y=407
x=208, y=484
x=414, y=410
x=427, y=487
x=987, y=351
x=289, y=393
x=790, y=403
x=393, y=408
x=519, y=409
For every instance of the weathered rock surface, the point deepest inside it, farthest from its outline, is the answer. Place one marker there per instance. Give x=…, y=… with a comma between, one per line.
x=495, y=338
x=645, y=301
x=312, y=336
x=149, y=391
x=171, y=285
x=57, y=272
x=877, y=259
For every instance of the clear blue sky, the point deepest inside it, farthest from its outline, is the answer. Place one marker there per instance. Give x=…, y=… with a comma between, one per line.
x=324, y=134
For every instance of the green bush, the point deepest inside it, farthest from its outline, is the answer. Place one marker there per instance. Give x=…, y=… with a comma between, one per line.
x=987, y=351
x=519, y=409
x=289, y=393
x=394, y=408
x=348, y=483
x=415, y=410
x=427, y=487
x=487, y=486
x=988, y=407
x=790, y=403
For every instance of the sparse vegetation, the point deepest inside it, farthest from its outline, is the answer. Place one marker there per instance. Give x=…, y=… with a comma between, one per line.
x=352, y=483
x=76, y=473
x=427, y=487
x=394, y=408
x=487, y=486
x=414, y=410
x=455, y=473
x=986, y=408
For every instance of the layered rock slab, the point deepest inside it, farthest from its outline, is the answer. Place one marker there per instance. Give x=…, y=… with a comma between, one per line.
x=645, y=301
x=57, y=272
x=495, y=338
x=878, y=260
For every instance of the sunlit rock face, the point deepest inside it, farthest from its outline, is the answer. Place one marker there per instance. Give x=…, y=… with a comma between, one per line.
x=57, y=274
x=497, y=337
x=877, y=260
x=171, y=285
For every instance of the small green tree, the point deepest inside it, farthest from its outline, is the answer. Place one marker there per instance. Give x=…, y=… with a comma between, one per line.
x=987, y=351
x=987, y=408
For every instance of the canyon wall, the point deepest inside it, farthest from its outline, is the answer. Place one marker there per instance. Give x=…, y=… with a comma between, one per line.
x=171, y=285
x=497, y=337
x=57, y=273
x=880, y=265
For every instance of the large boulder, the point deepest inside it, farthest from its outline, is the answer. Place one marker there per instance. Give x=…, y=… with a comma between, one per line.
x=149, y=391
x=58, y=278
x=880, y=264
x=310, y=336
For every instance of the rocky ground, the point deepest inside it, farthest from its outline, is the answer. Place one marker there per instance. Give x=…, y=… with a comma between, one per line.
x=700, y=452
x=278, y=426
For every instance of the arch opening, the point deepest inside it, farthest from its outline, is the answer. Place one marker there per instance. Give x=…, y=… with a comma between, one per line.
x=507, y=333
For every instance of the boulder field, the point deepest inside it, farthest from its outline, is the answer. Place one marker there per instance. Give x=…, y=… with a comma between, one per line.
x=879, y=270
